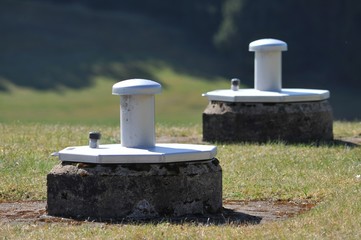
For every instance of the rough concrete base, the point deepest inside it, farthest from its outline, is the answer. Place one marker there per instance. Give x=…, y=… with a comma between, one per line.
x=134, y=191
x=261, y=122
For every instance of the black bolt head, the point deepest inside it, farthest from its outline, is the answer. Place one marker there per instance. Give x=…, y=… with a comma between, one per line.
x=95, y=135
x=235, y=82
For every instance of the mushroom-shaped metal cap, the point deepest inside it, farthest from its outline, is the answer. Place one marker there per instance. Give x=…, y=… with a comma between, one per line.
x=267, y=44
x=136, y=87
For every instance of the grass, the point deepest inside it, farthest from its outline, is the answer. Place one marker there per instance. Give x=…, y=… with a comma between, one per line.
x=327, y=174
x=64, y=71
x=179, y=103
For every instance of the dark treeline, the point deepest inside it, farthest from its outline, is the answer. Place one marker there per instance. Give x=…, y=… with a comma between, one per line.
x=323, y=36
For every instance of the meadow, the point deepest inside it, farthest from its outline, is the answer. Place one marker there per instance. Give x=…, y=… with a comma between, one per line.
x=180, y=102
x=327, y=175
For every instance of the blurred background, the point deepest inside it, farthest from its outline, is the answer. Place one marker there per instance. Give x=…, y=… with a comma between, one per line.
x=60, y=58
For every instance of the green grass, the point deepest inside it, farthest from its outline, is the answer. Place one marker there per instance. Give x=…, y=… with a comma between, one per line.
x=179, y=103
x=326, y=174
x=64, y=71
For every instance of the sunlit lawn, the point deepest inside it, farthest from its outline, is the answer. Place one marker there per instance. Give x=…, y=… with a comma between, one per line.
x=328, y=174
x=179, y=103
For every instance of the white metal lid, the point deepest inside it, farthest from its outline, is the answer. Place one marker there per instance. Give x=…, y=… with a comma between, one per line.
x=136, y=87
x=267, y=44
x=160, y=153
x=253, y=95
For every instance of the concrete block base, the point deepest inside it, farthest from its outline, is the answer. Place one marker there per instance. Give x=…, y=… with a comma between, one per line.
x=134, y=191
x=261, y=122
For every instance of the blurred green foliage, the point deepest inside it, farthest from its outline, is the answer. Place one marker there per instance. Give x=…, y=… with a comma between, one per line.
x=323, y=36
x=47, y=44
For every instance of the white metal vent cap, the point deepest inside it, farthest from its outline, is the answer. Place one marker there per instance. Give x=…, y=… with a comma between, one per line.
x=268, y=44
x=136, y=87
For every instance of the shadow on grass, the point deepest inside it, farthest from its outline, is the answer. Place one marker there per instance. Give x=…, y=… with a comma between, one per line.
x=234, y=212
x=348, y=142
x=228, y=216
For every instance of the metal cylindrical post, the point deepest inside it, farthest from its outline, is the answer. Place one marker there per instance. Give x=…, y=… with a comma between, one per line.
x=267, y=71
x=268, y=64
x=137, y=121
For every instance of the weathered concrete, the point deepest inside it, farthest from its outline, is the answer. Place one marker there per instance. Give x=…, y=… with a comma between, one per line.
x=134, y=191
x=261, y=122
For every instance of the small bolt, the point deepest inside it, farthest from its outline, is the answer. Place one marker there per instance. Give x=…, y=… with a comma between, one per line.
x=235, y=82
x=93, y=139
